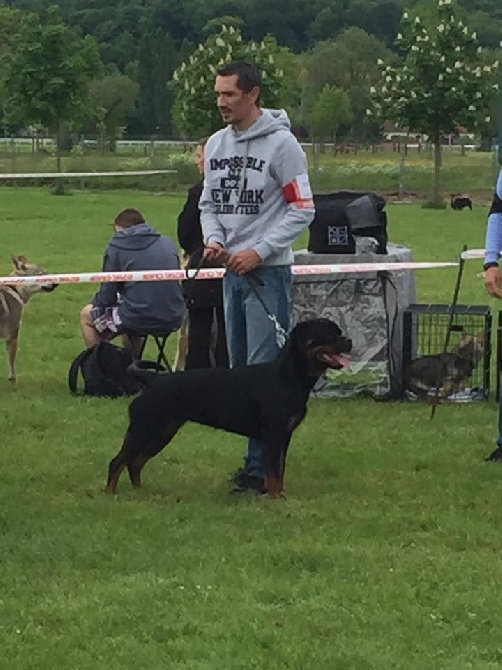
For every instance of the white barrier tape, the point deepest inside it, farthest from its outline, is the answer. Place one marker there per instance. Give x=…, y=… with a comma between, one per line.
x=63, y=175
x=471, y=254
x=208, y=273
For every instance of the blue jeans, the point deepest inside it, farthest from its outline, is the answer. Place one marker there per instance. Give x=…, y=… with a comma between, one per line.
x=251, y=335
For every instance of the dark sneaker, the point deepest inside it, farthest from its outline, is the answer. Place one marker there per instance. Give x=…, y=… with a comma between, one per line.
x=235, y=476
x=247, y=482
x=495, y=455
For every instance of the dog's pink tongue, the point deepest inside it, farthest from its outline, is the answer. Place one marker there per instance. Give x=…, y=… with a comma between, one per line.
x=342, y=360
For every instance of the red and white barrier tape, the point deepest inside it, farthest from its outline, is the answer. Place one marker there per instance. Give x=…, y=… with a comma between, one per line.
x=473, y=254
x=210, y=273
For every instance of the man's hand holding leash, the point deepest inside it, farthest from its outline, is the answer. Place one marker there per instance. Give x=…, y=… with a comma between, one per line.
x=241, y=262
x=216, y=252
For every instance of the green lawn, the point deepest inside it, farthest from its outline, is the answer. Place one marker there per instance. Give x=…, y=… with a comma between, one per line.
x=385, y=554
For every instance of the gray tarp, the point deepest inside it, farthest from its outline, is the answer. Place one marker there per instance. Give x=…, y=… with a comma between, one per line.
x=368, y=308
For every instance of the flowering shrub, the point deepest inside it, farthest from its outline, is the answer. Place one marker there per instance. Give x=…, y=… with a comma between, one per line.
x=445, y=80
x=195, y=109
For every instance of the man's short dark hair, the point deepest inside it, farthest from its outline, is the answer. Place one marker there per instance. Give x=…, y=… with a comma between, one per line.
x=248, y=75
x=129, y=217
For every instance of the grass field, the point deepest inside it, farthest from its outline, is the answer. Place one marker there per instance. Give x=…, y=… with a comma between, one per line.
x=385, y=554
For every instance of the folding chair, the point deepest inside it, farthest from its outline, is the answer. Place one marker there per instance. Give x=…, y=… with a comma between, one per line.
x=160, y=339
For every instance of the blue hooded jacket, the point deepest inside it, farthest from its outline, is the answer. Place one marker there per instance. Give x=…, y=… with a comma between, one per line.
x=143, y=306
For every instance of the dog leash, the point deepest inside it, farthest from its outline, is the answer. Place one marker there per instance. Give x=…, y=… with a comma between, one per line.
x=442, y=364
x=281, y=335
x=252, y=279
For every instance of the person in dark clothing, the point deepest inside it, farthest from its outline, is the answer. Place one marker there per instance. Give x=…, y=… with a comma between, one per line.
x=204, y=296
x=131, y=307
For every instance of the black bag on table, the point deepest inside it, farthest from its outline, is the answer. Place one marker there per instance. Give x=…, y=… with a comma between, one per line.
x=343, y=215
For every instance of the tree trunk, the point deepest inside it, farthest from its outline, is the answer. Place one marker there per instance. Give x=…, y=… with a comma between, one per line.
x=59, y=188
x=58, y=149
x=437, y=168
x=102, y=138
x=315, y=161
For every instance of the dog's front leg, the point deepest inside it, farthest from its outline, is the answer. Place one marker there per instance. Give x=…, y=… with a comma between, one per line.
x=11, y=356
x=182, y=349
x=275, y=466
x=448, y=388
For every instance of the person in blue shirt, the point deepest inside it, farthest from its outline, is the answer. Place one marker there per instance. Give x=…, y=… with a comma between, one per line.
x=493, y=279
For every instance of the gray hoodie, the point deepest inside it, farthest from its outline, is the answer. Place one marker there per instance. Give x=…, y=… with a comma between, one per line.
x=145, y=306
x=256, y=189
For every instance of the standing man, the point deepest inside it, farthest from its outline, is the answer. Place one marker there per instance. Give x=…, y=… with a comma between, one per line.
x=493, y=280
x=256, y=201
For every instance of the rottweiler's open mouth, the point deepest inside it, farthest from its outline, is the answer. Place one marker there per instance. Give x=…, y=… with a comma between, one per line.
x=334, y=360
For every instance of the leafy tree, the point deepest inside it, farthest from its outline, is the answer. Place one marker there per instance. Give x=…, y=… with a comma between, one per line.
x=158, y=59
x=328, y=22
x=195, y=105
x=379, y=18
x=443, y=82
x=118, y=27
x=214, y=24
x=289, y=18
x=290, y=92
x=10, y=24
x=329, y=112
x=49, y=72
x=112, y=98
x=349, y=63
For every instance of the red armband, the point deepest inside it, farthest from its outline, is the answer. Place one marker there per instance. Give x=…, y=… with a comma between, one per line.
x=298, y=192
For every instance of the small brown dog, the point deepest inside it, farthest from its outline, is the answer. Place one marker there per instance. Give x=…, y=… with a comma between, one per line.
x=12, y=302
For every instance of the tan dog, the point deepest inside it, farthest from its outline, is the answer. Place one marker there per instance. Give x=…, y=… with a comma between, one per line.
x=182, y=348
x=12, y=302
x=452, y=368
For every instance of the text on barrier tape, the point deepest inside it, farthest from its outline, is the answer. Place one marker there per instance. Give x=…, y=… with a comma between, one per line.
x=210, y=273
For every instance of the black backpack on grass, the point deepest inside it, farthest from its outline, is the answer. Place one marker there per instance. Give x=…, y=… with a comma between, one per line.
x=104, y=372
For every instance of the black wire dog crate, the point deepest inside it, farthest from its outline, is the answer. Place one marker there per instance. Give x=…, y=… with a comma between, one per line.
x=499, y=355
x=467, y=376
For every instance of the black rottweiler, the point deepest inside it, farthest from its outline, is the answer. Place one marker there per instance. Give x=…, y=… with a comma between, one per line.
x=265, y=401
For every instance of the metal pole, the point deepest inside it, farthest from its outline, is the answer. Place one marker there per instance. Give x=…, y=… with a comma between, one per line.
x=461, y=263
